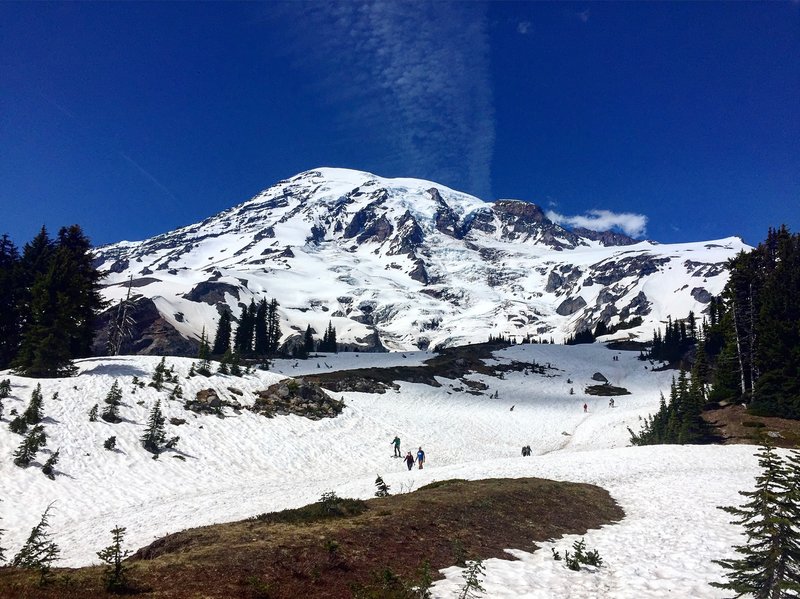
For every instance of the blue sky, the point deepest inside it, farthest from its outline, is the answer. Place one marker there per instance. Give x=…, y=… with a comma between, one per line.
x=674, y=121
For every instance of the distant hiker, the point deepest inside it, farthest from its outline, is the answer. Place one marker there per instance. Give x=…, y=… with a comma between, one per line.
x=420, y=458
x=409, y=460
x=512, y=408
x=528, y=447
x=526, y=450
x=585, y=408
x=611, y=403
x=396, y=442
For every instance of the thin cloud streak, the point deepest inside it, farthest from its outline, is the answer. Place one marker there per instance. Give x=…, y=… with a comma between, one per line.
x=633, y=225
x=147, y=175
x=413, y=77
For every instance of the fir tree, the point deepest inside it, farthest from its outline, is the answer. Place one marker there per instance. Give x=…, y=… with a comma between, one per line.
x=10, y=296
x=204, y=352
x=159, y=375
x=770, y=564
x=30, y=446
x=113, y=400
x=236, y=369
x=243, y=339
x=47, y=469
x=110, y=443
x=260, y=338
x=155, y=434
x=33, y=413
x=222, y=340
x=113, y=556
x=18, y=425
x=274, y=327
x=308, y=340
x=382, y=487
x=39, y=551
x=224, y=363
x=93, y=413
x=472, y=580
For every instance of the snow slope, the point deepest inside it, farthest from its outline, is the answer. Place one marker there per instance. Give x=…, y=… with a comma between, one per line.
x=244, y=464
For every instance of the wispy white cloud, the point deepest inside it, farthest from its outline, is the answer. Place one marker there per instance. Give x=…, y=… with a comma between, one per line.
x=584, y=15
x=523, y=27
x=413, y=76
x=633, y=225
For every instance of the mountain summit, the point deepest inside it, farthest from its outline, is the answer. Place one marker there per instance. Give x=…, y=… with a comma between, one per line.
x=401, y=264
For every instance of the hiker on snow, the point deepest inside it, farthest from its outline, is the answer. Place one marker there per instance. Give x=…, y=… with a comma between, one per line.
x=420, y=458
x=396, y=442
x=409, y=460
x=585, y=408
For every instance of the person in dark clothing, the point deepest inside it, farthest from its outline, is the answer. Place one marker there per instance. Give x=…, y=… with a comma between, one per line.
x=420, y=458
x=396, y=442
x=409, y=460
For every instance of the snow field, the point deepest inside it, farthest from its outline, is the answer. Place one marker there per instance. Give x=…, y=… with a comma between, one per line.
x=245, y=464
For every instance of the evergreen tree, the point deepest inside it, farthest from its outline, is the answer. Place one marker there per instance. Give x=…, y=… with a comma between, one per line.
x=159, y=375
x=113, y=556
x=10, y=299
x=47, y=469
x=224, y=363
x=93, y=413
x=110, y=443
x=770, y=564
x=472, y=580
x=308, y=340
x=33, y=413
x=30, y=446
x=155, y=434
x=260, y=337
x=236, y=369
x=222, y=341
x=274, y=327
x=382, y=487
x=243, y=339
x=204, y=354
x=39, y=551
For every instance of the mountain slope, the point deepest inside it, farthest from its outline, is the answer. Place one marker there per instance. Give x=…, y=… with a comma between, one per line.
x=402, y=264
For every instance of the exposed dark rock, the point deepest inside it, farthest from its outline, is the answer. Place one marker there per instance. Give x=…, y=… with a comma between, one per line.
x=445, y=219
x=211, y=293
x=419, y=272
x=378, y=230
x=409, y=236
x=609, y=272
x=597, y=376
x=300, y=397
x=150, y=333
x=607, y=238
x=177, y=421
x=570, y=305
x=702, y=295
x=639, y=306
x=207, y=401
x=565, y=276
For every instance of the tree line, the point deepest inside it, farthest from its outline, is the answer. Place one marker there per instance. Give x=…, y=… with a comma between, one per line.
x=49, y=298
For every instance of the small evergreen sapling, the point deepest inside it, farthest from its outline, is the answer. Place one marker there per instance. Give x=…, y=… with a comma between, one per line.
x=110, y=443
x=113, y=401
x=383, y=488
x=113, y=556
x=30, y=446
x=18, y=425
x=47, y=469
x=472, y=580
x=5, y=388
x=160, y=375
x=39, y=551
x=93, y=413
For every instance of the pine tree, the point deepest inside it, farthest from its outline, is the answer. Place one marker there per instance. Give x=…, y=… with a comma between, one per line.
x=382, y=487
x=39, y=551
x=93, y=413
x=273, y=327
x=224, y=363
x=110, y=443
x=155, y=434
x=222, y=341
x=203, y=354
x=33, y=413
x=243, y=339
x=260, y=337
x=10, y=296
x=770, y=563
x=113, y=556
x=159, y=375
x=308, y=340
x=30, y=446
x=47, y=469
x=472, y=580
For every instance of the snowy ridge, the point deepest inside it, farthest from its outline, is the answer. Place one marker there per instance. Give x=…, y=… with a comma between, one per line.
x=406, y=264
x=245, y=464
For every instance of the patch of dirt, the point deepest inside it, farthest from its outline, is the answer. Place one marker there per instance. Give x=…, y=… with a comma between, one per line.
x=443, y=523
x=735, y=426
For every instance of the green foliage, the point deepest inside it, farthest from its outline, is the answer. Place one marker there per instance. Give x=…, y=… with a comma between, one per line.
x=579, y=556
x=382, y=487
x=5, y=388
x=328, y=342
x=30, y=446
x=110, y=443
x=472, y=580
x=114, y=574
x=113, y=400
x=18, y=425
x=222, y=340
x=204, y=354
x=39, y=551
x=47, y=468
x=33, y=413
x=155, y=434
x=93, y=413
x=329, y=506
x=769, y=566
x=678, y=337
x=160, y=375
x=678, y=421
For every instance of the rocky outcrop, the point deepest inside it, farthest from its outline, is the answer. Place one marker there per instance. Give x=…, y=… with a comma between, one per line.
x=570, y=305
x=211, y=293
x=207, y=401
x=150, y=333
x=299, y=397
x=607, y=238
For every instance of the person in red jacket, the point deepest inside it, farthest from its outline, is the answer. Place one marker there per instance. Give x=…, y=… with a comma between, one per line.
x=409, y=460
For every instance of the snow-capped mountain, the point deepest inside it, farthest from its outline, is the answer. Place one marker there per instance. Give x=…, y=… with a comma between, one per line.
x=401, y=264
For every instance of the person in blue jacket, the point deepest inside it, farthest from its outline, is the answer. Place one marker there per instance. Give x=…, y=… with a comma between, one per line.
x=420, y=458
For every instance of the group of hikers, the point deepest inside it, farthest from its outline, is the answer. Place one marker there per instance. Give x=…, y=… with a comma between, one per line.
x=409, y=459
